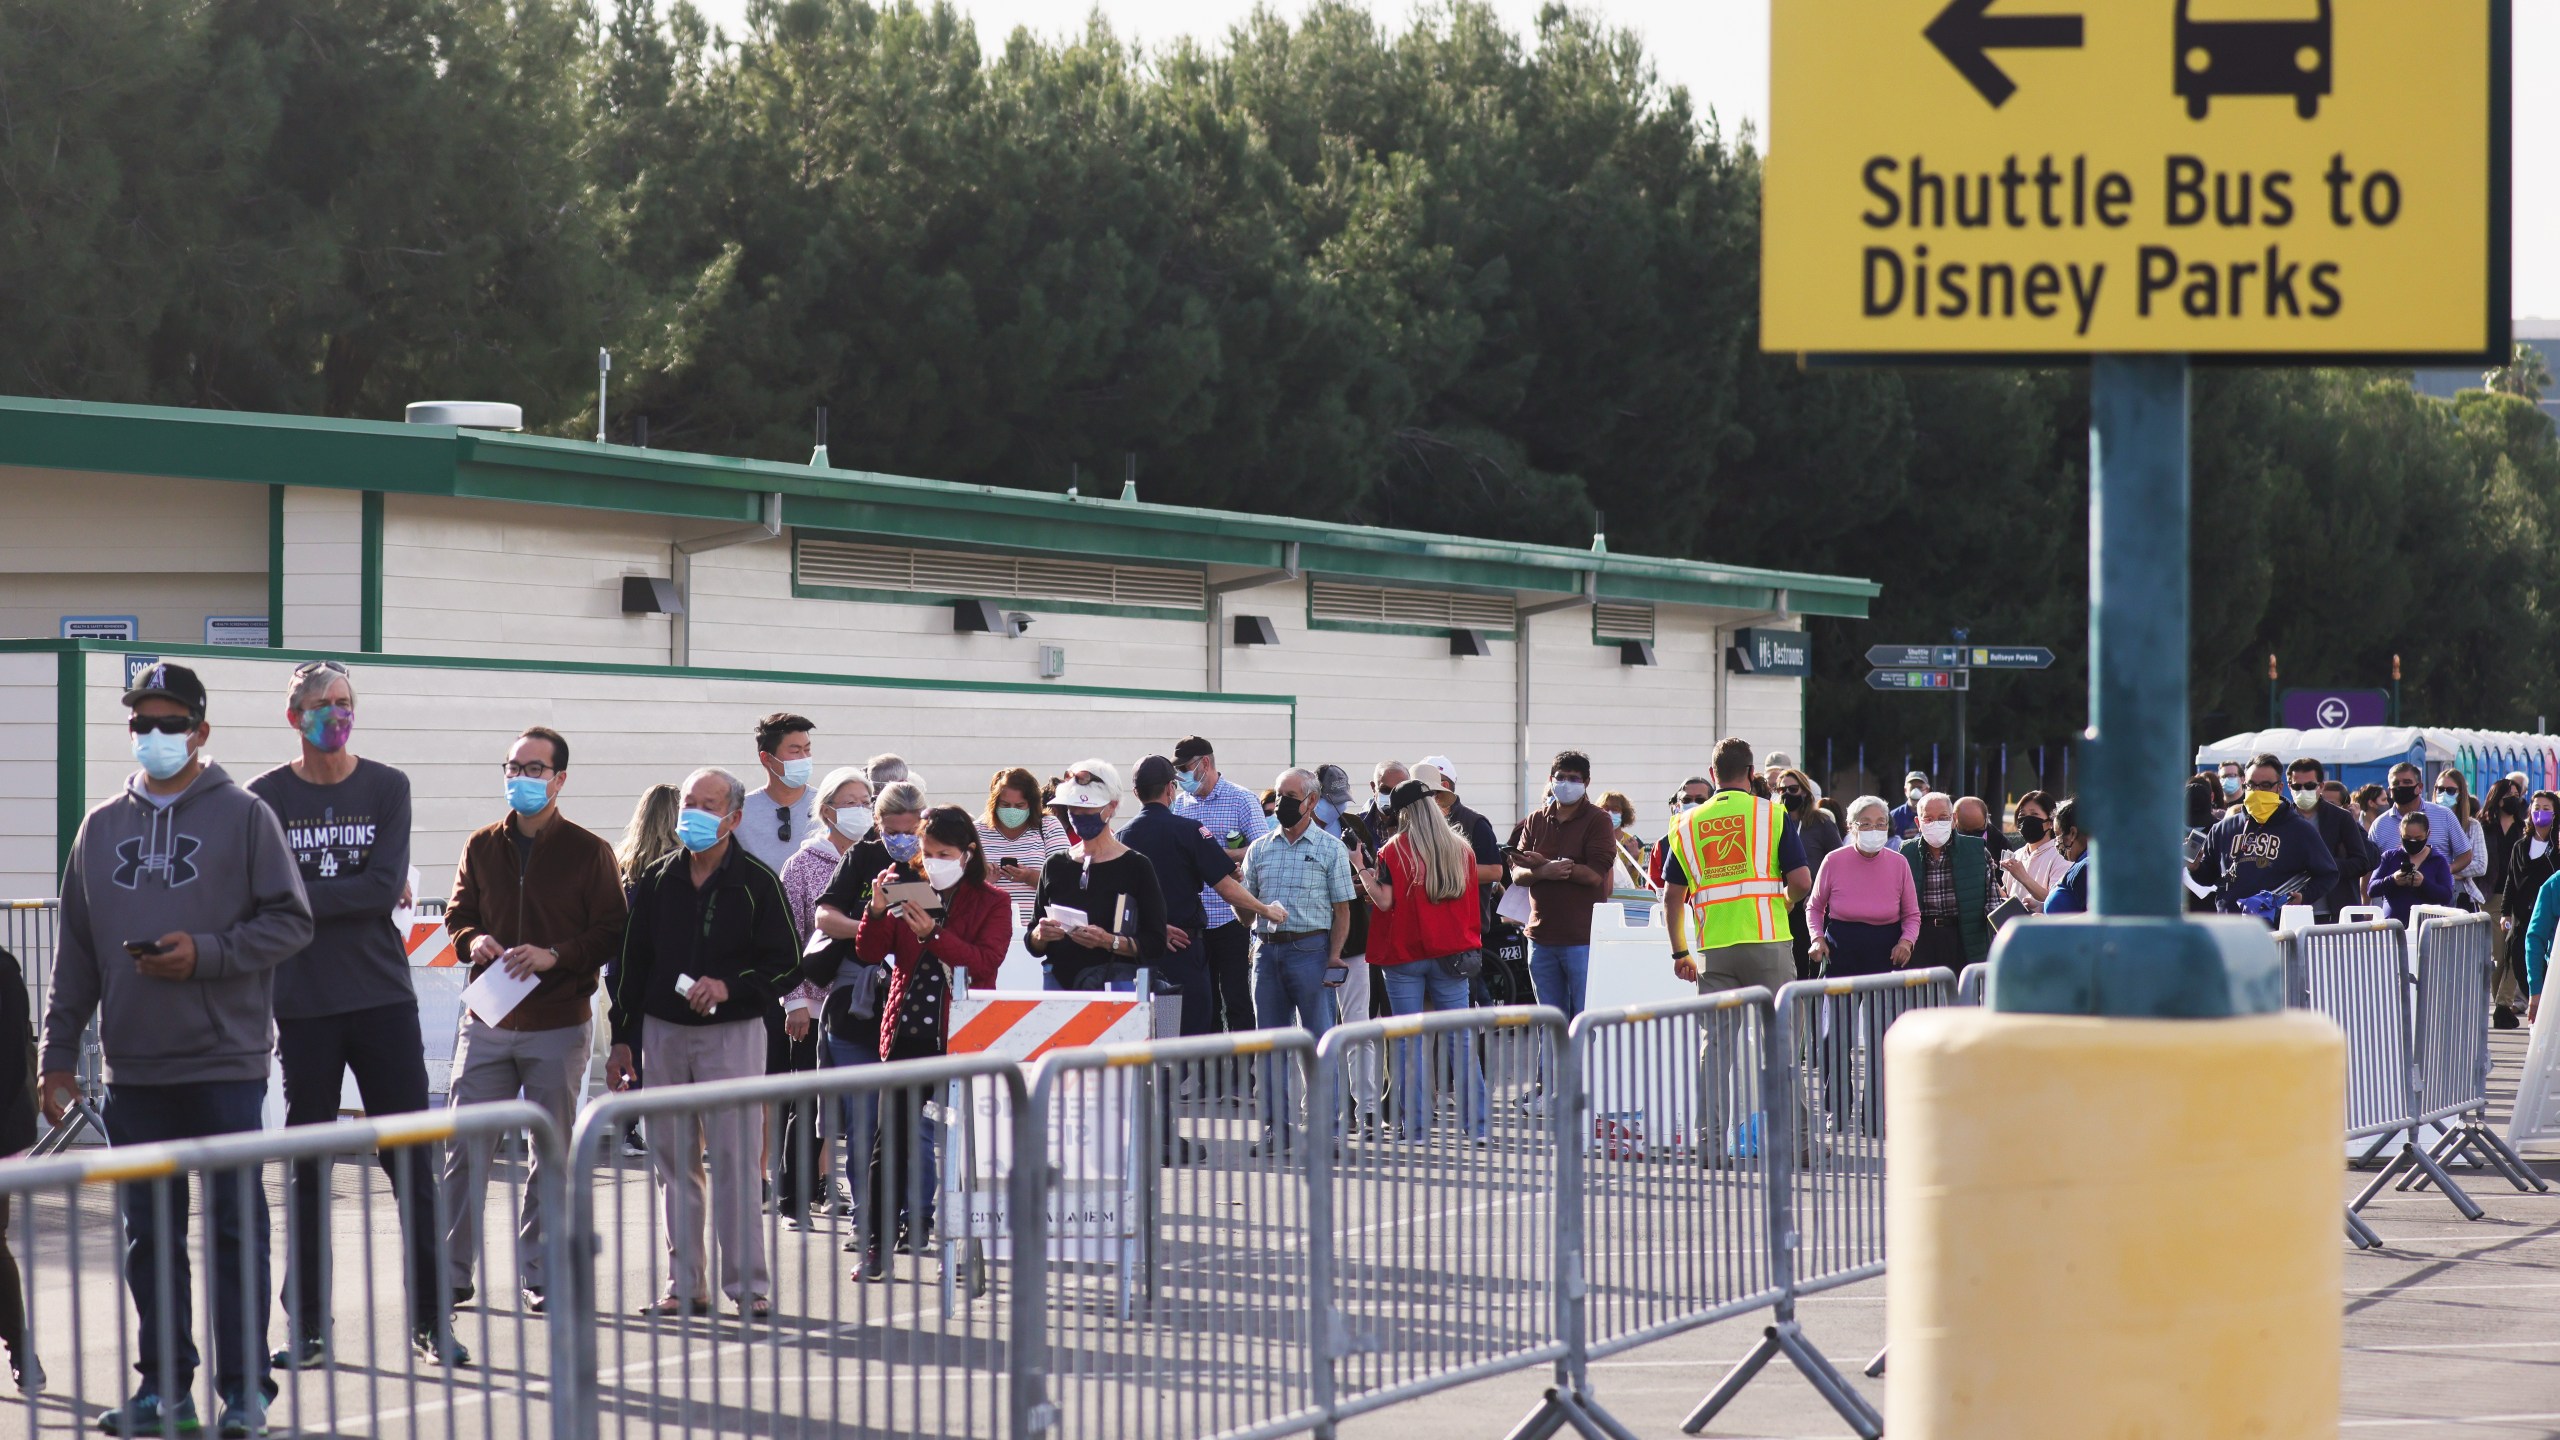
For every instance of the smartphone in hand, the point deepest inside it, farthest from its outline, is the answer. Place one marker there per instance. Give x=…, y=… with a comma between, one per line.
x=141, y=949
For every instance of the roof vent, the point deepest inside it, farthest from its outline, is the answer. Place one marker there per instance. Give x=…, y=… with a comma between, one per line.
x=470, y=414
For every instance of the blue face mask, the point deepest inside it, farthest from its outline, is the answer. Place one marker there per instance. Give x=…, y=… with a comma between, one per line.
x=1086, y=823
x=1567, y=792
x=1189, y=782
x=527, y=796
x=795, y=773
x=160, y=756
x=698, y=829
x=902, y=848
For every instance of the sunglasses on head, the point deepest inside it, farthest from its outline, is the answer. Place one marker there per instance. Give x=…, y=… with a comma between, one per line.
x=162, y=724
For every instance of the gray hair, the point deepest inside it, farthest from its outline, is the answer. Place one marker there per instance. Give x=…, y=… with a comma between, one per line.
x=898, y=797
x=883, y=769
x=1300, y=772
x=1384, y=768
x=312, y=678
x=1932, y=796
x=737, y=788
x=1865, y=803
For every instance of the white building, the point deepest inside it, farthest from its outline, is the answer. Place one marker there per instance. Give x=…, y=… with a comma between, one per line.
x=480, y=581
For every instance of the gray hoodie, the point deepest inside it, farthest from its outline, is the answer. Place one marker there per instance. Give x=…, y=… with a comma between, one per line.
x=212, y=863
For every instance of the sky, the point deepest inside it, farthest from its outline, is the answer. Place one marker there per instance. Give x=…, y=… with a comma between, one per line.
x=1720, y=50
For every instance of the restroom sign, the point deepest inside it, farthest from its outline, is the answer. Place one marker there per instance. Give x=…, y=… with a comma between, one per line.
x=2267, y=180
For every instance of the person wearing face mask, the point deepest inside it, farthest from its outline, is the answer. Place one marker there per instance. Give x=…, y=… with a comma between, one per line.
x=1563, y=852
x=2070, y=893
x=648, y=837
x=780, y=815
x=1865, y=907
x=842, y=819
x=346, y=1003
x=1111, y=887
x=1306, y=874
x=921, y=946
x=1019, y=837
x=1906, y=816
x=1695, y=791
x=1957, y=883
x=539, y=895
x=1187, y=861
x=2501, y=821
x=2232, y=782
x=708, y=954
x=2411, y=873
x=2266, y=852
x=2030, y=872
x=1812, y=825
x=2531, y=864
x=2453, y=792
x=2445, y=833
x=1235, y=819
x=2308, y=784
x=2204, y=811
x=179, y=900
x=1362, y=994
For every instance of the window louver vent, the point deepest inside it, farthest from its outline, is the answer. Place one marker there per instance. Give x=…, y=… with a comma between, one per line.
x=1447, y=609
x=951, y=572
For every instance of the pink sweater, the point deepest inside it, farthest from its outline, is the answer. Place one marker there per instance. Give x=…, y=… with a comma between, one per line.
x=1868, y=889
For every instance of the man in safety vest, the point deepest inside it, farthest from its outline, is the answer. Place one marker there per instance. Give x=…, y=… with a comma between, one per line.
x=1738, y=861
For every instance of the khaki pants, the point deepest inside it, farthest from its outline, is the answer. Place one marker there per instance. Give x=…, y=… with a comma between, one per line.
x=548, y=1067
x=1733, y=967
x=734, y=1134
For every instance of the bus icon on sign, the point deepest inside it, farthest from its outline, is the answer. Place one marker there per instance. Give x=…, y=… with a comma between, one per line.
x=2262, y=54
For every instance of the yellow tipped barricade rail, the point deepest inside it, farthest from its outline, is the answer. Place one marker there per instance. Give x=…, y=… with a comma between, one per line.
x=367, y=1349
x=886, y=1307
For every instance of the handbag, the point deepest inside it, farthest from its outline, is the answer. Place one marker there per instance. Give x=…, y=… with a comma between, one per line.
x=1464, y=965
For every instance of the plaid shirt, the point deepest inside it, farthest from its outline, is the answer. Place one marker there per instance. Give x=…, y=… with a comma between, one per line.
x=1938, y=881
x=1308, y=876
x=1224, y=810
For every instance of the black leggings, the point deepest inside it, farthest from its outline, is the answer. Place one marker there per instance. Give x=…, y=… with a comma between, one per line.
x=13, y=1295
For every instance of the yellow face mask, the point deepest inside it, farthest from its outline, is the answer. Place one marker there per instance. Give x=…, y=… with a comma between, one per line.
x=2263, y=804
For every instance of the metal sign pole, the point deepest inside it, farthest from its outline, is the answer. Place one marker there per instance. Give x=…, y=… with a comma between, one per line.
x=2138, y=501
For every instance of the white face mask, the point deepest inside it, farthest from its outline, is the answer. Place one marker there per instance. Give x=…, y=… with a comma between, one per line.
x=942, y=873
x=1937, y=832
x=1867, y=841
x=854, y=821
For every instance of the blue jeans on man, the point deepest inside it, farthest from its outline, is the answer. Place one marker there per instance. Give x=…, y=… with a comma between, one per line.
x=1289, y=989
x=155, y=1239
x=1412, y=989
x=1559, y=973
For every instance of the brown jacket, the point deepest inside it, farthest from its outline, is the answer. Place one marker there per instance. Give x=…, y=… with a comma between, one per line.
x=566, y=895
x=1560, y=910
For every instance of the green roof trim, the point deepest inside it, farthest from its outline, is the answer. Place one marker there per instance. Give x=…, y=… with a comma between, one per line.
x=396, y=458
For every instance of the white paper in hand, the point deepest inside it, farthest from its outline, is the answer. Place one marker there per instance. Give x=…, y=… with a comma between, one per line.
x=1068, y=916
x=1514, y=906
x=495, y=995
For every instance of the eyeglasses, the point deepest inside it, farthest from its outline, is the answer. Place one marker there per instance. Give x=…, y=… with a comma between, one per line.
x=531, y=770
x=319, y=667
x=2267, y=785
x=162, y=724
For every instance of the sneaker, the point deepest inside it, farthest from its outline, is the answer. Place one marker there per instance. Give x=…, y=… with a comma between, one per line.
x=2504, y=1018
x=536, y=1300
x=27, y=1373
x=244, y=1418
x=462, y=1295
x=631, y=1146
x=145, y=1414
x=309, y=1353
x=873, y=1269
x=442, y=1349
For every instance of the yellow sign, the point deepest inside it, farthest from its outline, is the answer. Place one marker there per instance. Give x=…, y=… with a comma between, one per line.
x=2277, y=179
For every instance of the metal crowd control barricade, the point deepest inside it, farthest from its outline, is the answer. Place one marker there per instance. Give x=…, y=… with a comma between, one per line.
x=2456, y=958
x=1668, y=1159
x=1196, y=1154
x=1436, y=1229
x=29, y=929
x=1973, y=987
x=890, y=1320
x=1825, y=1138
x=223, y=1222
x=2358, y=976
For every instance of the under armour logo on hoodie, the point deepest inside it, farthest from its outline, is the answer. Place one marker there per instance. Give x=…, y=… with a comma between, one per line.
x=174, y=866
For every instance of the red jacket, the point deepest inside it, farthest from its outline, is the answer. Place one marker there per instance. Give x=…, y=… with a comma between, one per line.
x=977, y=921
x=1418, y=927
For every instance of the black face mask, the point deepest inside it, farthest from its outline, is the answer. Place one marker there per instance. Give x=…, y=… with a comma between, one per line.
x=1291, y=810
x=1795, y=799
x=2404, y=794
x=2414, y=843
x=2031, y=828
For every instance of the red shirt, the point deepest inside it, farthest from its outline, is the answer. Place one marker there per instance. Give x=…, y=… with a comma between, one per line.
x=977, y=921
x=1419, y=927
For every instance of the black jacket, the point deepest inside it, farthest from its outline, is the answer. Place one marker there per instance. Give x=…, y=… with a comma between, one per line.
x=2355, y=854
x=17, y=1060
x=736, y=929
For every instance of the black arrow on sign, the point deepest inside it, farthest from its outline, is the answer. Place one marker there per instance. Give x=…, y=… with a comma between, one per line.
x=1966, y=29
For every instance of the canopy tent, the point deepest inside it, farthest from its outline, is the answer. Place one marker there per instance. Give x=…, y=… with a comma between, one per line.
x=2364, y=754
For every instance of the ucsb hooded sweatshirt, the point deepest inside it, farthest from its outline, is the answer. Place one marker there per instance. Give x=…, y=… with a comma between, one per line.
x=212, y=863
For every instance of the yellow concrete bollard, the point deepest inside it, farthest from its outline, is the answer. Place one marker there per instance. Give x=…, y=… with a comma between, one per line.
x=2126, y=1229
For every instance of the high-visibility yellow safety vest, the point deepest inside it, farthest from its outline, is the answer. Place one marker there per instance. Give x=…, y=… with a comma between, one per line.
x=1728, y=848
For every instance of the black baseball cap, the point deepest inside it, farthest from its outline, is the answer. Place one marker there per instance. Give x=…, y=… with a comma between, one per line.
x=1154, y=773
x=1190, y=748
x=164, y=681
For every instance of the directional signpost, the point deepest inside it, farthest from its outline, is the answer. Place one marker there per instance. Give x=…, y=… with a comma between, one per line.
x=2129, y=182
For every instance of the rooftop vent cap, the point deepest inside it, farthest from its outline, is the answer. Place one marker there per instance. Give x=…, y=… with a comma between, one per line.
x=470, y=414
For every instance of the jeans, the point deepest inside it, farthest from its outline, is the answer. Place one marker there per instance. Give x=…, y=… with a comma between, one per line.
x=881, y=1130
x=1412, y=989
x=1289, y=989
x=1559, y=974
x=155, y=1238
x=384, y=1048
